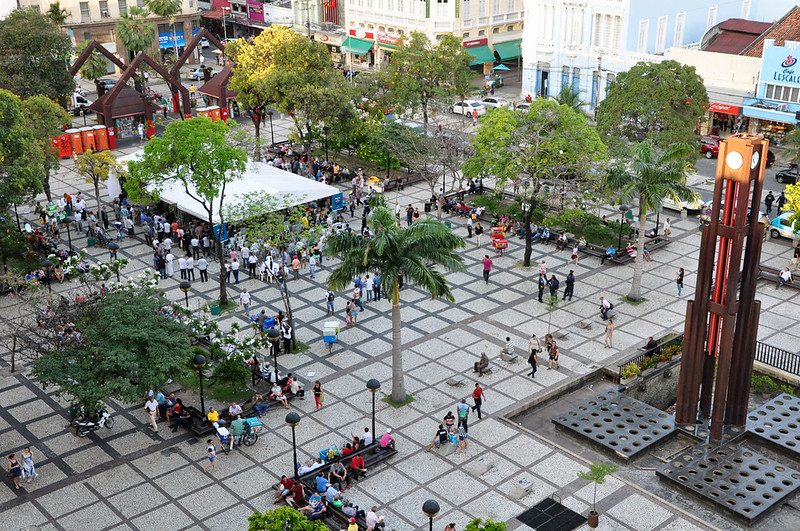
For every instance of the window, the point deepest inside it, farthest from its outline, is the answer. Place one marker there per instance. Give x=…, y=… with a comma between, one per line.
x=680, y=24
x=466, y=10
x=36, y=8
x=781, y=93
x=511, y=6
x=496, y=7
x=140, y=3
x=712, y=17
x=596, y=30
x=510, y=27
x=85, y=11
x=481, y=33
x=123, y=7
x=104, y=9
x=87, y=36
x=481, y=8
x=745, y=9
x=661, y=35
x=465, y=35
x=495, y=30
x=641, y=45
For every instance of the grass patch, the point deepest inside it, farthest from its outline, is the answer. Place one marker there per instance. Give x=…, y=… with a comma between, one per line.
x=534, y=263
x=634, y=303
x=388, y=400
x=219, y=391
x=301, y=347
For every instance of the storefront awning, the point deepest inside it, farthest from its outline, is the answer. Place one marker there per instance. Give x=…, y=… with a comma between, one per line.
x=769, y=114
x=508, y=50
x=723, y=108
x=483, y=54
x=356, y=46
x=216, y=14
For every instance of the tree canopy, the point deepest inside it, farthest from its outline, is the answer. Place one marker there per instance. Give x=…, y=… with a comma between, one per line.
x=120, y=347
x=96, y=168
x=134, y=30
x=551, y=145
x=660, y=102
x=34, y=54
x=21, y=158
x=281, y=519
x=198, y=155
x=422, y=72
x=95, y=66
x=45, y=119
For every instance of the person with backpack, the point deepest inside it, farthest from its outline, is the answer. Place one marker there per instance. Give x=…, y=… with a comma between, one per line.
x=329, y=297
x=554, y=284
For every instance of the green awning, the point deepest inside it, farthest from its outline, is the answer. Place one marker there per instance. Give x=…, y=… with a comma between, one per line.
x=483, y=54
x=508, y=50
x=356, y=46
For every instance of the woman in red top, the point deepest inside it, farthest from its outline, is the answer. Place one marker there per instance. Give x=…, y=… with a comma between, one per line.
x=478, y=397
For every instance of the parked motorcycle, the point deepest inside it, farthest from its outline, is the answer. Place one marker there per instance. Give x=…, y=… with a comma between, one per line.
x=84, y=426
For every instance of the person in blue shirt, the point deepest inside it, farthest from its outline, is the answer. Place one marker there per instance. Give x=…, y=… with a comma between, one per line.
x=376, y=283
x=611, y=252
x=321, y=483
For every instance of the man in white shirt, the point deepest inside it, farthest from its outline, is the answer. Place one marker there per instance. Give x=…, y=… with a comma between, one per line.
x=195, y=247
x=785, y=277
x=368, y=285
x=244, y=300
x=312, y=265
x=170, y=267
x=286, y=334
x=182, y=267
x=202, y=266
x=151, y=406
x=189, y=268
x=252, y=261
x=366, y=437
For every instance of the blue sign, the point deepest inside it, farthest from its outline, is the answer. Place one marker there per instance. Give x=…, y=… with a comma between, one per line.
x=337, y=201
x=779, y=66
x=165, y=39
x=224, y=236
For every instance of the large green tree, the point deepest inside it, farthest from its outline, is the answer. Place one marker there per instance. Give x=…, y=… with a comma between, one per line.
x=96, y=167
x=45, y=119
x=134, y=30
x=21, y=157
x=549, y=145
x=126, y=347
x=293, y=74
x=651, y=175
x=283, y=519
x=34, y=55
x=422, y=72
x=660, y=102
x=394, y=252
x=168, y=9
x=198, y=156
x=95, y=66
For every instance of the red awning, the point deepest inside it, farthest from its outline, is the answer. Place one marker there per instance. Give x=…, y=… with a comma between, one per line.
x=723, y=108
x=216, y=14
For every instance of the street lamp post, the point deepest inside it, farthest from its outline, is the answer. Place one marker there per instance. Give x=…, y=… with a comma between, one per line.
x=68, y=221
x=199, y=362
x=293, y=419
x=622, y=210
x=374, y=386
x=325, y=129
x=431, y=509
x=519, y=61
x=185, y=287
x=271, y=130
x=47, y=265
x=274, y=336
x=225, y=24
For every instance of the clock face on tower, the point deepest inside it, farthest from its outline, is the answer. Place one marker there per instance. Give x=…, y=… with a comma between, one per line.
x=734, y=160
x=754, y=161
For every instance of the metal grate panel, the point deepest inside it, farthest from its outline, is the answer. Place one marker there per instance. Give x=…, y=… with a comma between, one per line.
x=778, y=422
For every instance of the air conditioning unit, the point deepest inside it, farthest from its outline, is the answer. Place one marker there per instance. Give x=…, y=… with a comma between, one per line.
x=782, y=107
x=105, y=14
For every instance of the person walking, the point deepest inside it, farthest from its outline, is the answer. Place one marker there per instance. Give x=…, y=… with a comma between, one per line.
x=609, y=333
x=189, y=267
x=14, y=470
x=487, y=267
x=312, y=265
x=244, y=301
x=478, y=396
x=795, y=257
x=463, y=414
x=27, y=464
x=202, y=266
x=667, y=229
x=212, y=456
x=151, y=407
x=469, y=227
x=478, y=234
x=554, y=285
x=534, y=347
x=235, y=270
x=329, y=298
x=781, y=202
x=140, y=129
x=552, y=352
x=376, y=282
x=542, y=285
x=679, y=280
x=318, y=395
x=286, y=335
x=768, y=202
x=569, y=285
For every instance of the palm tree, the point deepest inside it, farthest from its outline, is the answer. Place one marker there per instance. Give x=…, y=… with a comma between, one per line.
x=167, y=9
x=57, y=14
x=792, y=141
x=570, y=98
x=653, y=176
x=134, y=30
x=393, y=252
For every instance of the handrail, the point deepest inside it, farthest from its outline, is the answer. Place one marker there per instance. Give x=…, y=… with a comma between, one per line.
x=655, y=351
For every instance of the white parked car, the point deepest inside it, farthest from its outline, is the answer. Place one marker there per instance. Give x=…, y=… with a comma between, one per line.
x=523, y=107
x=692, y=207
x=204, y=43
x=494, y=103
x=467, y=106
x=196, y=74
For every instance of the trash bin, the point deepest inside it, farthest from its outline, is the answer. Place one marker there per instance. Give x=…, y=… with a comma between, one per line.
x=448, y=225
x=91, y=242
x=215, y=310
x=427, y=208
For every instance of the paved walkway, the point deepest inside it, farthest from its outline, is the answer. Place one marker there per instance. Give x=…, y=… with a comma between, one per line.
x=129, y=478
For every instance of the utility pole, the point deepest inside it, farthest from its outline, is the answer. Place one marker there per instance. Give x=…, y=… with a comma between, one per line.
x=308, y=19
x=597, y=93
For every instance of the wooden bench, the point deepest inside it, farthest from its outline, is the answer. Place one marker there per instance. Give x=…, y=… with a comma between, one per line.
x=622, y=257
x=771, y=274
x=201, y=426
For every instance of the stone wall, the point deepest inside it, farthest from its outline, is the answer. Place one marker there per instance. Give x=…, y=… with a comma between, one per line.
x=660, y=390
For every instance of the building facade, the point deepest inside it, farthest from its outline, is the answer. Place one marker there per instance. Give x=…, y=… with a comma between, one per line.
x=373, y=27
x=96, y=20
x=584, y=44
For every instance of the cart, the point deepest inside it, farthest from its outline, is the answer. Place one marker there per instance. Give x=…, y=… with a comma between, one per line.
x=330, y=333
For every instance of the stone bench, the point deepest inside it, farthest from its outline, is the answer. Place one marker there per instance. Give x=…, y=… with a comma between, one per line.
x=510, y=357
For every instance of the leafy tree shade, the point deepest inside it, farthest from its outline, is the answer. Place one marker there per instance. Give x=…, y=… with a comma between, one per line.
x=21, y=159
x=134, y=30
x=45, y=119
x=197, y=155
x=57, y=14
x=272, y=222
x=95, y=66
x=422, y=72
x=33, y=56
x=96, y=168
x=394, y=252
x=282, y=519
x=660, y=102
x=127, y=348
x=652, y=175
x=548, y=144
x=285, y=69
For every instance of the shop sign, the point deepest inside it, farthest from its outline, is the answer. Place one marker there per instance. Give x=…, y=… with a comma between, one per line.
x=475, y=42
x=723, y=108
x=779, y=66
x=361, y=34
x=165, y=40
x=386, y=39
x=255, y=10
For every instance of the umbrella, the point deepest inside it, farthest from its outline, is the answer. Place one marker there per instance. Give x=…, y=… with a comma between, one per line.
x=374, y=179
x=501, y=67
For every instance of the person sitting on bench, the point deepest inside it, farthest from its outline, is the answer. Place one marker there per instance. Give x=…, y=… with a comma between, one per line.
x=358, y=467
x=482, y=364
x=387, y=441
x=562, y=241
x=546, y=235
x=213, y=416
x=259, y=404
x=605, y=306
x=784, y=277
x=284, y=489
x=184, y=419
x=611, y=252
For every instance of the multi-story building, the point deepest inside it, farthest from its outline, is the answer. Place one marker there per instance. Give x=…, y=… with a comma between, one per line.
x=584, y=44
x=485, y=27
x=96, y=20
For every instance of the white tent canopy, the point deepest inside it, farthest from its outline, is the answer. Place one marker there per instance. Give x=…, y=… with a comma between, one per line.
x=287, y=188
